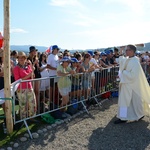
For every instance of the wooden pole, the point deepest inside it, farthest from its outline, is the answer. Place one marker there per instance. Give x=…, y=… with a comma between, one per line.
x=8, y=104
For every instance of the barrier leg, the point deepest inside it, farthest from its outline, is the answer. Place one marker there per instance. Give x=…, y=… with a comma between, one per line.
x=28, y=129
x=99, y=103
x=85, y=107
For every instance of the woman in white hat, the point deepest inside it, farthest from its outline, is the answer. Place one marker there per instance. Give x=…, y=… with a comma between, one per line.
x=26, y=96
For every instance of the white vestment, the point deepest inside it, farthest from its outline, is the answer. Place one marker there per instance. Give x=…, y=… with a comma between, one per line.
x=134, y=90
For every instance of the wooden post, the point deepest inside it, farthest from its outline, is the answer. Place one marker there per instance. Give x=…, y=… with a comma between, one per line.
x=8, y=104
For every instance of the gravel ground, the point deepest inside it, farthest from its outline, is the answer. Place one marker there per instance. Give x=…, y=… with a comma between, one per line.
x=94, y=132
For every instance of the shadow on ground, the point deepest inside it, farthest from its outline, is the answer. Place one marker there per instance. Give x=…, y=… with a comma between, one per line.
x=128, y=136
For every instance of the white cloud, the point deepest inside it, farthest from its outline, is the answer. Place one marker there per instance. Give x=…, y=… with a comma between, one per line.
x=63, y=3
x=136, y=6
x=131, y=33
x=17, y=30
x=82, y=19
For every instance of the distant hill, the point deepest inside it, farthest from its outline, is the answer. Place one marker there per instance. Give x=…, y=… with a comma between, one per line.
x=25, y=48
x=147, y=47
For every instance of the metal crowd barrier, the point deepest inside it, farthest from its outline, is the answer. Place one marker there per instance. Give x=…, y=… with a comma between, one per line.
x=146, y=68
x=84, y=88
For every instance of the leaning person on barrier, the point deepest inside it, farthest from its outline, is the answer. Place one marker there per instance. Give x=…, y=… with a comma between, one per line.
x=86, y=78
x=26, y=96
x=95, y=63
x=64, y=82
x=98, y=69
x=45, y=83
x=52, y=63
x=103, y=61
x=109, y=59
x=76, y=79
x=116, y=55
x=44, y=71
x=33, y=58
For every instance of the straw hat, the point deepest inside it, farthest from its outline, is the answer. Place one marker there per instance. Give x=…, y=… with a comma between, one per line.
x=1, y=53
x=22, y=54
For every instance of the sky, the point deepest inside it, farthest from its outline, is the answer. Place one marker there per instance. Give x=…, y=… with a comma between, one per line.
x=78, y=24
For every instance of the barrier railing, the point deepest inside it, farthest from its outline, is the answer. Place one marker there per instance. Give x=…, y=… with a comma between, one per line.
x=146, y=68
x=50, y=94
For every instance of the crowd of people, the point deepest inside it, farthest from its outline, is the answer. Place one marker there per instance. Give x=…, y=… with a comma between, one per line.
x=57, y=75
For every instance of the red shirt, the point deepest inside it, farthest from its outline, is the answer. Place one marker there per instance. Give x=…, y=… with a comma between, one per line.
x=20, y=73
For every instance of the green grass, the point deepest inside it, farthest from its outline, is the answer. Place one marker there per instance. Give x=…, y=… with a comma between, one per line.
x=1, y=111
x=6, y=139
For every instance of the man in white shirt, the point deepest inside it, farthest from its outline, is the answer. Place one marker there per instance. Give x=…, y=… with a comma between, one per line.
x=52, y=64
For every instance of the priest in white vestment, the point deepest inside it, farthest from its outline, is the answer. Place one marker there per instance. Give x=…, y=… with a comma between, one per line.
x=134, y=90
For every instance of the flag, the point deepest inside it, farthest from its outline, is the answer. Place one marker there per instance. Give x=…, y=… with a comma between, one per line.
x=48, y=51
x=1, y=40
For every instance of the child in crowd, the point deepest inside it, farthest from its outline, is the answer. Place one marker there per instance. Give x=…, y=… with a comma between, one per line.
x=76, y=80
x=64, y=82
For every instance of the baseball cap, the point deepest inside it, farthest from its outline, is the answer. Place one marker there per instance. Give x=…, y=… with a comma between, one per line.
x=91, y=53
x=111, y=51
x=32, y=48
x=55, y=47
x=103, y=54
x=108, y=52
x=74, y=60
x=65, y=58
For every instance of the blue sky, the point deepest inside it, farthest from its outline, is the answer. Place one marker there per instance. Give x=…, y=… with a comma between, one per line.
x=78, y=24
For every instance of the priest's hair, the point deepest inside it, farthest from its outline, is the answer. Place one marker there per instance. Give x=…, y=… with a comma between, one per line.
x=132, y=47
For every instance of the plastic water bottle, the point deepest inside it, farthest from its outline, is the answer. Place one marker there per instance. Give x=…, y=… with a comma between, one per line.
x=75, y=104
x=4, y=128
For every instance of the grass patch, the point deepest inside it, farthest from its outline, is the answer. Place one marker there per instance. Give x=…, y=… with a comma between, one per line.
x=1, y=111
x=19, y=131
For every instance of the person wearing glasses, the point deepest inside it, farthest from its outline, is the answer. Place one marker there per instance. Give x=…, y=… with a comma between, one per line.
x=134, y=95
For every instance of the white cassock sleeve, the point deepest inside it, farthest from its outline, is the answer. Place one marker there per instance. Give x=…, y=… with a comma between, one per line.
x=119, y=74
